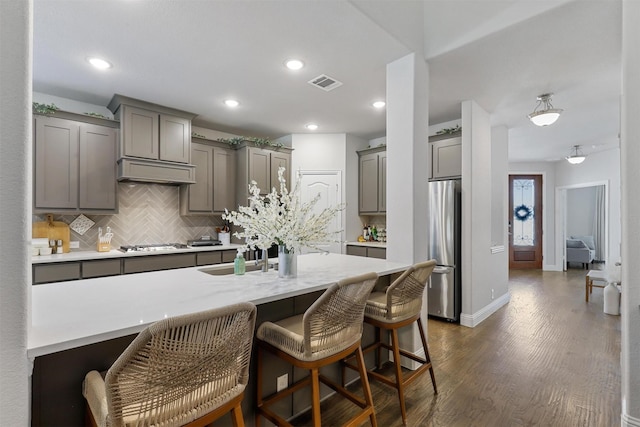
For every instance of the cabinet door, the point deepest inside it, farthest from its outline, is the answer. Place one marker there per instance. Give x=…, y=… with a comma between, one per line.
x=200, y=194
x=259, y=170
x=382, y=182
x=356, y=250
x=446, y=158
x=56, y=163
x=369, y=183
x=175, y=139
x=224, y=182
x=280, y=160
x=98, y=153
x=139, y=132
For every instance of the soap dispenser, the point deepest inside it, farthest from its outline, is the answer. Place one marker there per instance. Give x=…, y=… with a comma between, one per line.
x=239, y=263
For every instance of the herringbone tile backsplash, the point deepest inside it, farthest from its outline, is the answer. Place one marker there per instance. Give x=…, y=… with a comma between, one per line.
x=147, y=214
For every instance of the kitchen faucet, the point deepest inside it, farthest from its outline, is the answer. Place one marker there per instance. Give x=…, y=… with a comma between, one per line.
x=264, y=262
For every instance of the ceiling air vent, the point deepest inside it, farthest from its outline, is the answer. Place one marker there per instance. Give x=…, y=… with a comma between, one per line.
x=325, y=82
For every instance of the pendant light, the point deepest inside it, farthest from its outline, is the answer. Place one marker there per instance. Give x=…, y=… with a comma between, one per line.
x=544, y=114
x=576, y=156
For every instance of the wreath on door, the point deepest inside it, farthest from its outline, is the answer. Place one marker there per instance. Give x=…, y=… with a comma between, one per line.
x=522, y=212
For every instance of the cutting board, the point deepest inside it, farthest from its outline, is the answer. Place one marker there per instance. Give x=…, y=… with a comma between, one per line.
x=56, y=230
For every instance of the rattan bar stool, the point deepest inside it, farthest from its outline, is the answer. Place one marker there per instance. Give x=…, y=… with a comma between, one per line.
x=327, y=332
x=181, y=371
x=389, y=311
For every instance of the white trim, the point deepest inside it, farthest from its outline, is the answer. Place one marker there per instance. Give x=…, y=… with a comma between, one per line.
x=629, y=421
x=473, y=320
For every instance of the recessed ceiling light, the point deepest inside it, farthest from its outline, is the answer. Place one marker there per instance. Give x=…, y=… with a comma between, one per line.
x=99, y=63
x=231, y=103
x=294, y=64
x=311, y=126
x=379, y=104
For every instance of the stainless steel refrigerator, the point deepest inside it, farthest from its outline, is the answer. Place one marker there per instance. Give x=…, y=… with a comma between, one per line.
x=444, y=291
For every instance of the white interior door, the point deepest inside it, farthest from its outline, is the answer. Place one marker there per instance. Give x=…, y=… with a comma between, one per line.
x=329, y=185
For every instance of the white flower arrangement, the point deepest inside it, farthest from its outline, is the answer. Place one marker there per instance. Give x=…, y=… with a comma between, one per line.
x=282, y=219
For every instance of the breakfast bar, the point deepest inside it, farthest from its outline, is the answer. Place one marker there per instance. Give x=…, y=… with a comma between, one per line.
x=85, y=324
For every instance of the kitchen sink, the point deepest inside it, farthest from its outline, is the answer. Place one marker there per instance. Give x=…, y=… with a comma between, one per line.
x=224, y=270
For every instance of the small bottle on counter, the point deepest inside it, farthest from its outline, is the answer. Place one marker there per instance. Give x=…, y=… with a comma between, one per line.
x=52, y=245
x=365, y=233
x=59, y=247
x=374, y=233
x=239, y=264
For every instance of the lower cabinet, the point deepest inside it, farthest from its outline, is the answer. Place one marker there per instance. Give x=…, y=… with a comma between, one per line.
x=367, y=251
x=76, y=270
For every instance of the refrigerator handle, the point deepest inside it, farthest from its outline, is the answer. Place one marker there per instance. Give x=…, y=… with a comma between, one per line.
x=442, y=270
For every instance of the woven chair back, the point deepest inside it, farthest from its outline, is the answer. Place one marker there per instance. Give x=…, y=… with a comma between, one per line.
x=181, y=368
x=404, y=295
x=334, y=321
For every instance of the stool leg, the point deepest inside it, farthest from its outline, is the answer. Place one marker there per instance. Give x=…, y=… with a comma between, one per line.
x=396, y=361
x=427, y=357
x=315, y=397
x=236, y=416
x=258, y=384
x=378, y=354
x=364, y=379
x=586, y=289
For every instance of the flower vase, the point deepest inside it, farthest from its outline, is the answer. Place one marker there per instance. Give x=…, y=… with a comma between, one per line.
x=287, y=262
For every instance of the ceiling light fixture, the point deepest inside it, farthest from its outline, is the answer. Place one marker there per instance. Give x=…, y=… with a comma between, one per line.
x=379, y=104
x=576, y=156
x=311, y=126
x=547, y=115
x=99, y=63
x=294, y=64
x=232, y=103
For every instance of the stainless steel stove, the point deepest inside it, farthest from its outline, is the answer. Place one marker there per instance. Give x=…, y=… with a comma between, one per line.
x=156, y=247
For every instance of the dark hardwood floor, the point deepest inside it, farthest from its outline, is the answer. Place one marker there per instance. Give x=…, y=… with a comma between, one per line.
x=547, y=358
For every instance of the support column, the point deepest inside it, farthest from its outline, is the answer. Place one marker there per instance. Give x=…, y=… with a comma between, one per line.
x=407, y=173
x=15, y=208
x=630, y=179
x=407, y=142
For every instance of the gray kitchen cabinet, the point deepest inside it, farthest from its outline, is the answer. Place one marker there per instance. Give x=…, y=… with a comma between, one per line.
x=74, y=166
x=446, y=157
x=46, y=273
x=101, y=268
x=261, y=165
x=155, y=142
x=158, y=262
x=367, y=251
x=151, y=135
x=372, y=181
x=215, y=187
x=208, y=258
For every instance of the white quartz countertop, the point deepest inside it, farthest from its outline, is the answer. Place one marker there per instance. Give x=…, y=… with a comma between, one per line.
x=72, y=314
x=368, y=244
x=115, y=253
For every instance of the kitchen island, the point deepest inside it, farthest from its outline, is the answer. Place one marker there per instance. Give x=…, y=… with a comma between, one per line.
x=85, y=324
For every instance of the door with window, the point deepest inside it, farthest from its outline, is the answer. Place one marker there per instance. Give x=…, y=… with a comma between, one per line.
x=525, y=221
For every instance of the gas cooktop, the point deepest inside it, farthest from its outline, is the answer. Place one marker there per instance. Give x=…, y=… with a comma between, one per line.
x=153, y=247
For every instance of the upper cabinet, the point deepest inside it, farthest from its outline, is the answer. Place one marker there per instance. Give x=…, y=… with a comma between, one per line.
x=155, y=142
x=260, y=164
x=446, y=157
x=215, y=187
x=373, y=181
x=74, y=165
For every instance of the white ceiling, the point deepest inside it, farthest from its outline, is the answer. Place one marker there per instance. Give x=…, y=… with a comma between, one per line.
x=192, y=55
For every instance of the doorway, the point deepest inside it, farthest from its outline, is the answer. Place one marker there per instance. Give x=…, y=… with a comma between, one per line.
x=525, y=221
x=329, y=185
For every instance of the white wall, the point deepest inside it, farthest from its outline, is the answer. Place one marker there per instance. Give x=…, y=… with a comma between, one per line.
x=548, y=172
x=482, y=271
x=16, y=24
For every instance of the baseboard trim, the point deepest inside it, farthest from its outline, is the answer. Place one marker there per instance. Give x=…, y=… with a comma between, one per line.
x=629, y=421
x=473, y=320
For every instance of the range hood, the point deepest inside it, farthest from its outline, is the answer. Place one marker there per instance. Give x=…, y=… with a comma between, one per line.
x=144, y=170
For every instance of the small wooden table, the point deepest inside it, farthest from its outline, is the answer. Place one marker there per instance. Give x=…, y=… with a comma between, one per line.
x=593, y=275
